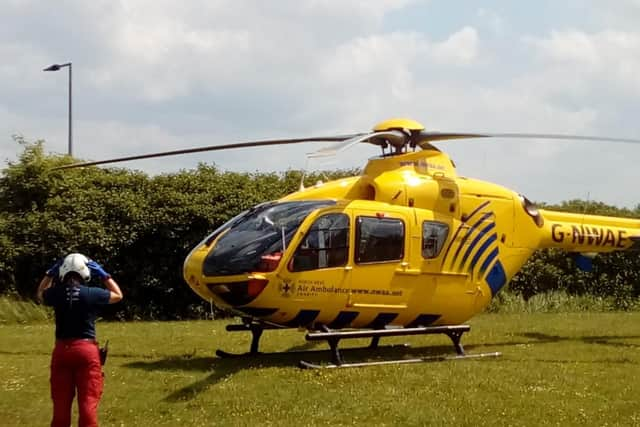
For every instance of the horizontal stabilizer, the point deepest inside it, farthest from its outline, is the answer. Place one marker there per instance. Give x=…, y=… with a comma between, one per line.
x=636, y=243
x=583, y=262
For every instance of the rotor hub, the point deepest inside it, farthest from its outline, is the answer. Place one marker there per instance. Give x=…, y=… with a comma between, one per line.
x=400, y=133
x=401, y=124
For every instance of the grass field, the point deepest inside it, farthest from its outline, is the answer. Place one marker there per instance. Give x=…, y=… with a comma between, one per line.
x=556, y=369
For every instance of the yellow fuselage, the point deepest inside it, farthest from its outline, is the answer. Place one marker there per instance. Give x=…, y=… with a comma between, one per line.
x=490, y=233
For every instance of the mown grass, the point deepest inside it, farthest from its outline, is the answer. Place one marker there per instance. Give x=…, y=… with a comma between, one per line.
x=556, y=369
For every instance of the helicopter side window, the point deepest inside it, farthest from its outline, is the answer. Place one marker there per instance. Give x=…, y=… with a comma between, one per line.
x=379, y=239
x=325, y=245
x=434, y=234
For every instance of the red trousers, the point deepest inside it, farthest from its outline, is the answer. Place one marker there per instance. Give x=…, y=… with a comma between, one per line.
x=75, y=365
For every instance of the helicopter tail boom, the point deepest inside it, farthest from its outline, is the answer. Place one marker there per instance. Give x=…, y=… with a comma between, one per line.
x=589, y=233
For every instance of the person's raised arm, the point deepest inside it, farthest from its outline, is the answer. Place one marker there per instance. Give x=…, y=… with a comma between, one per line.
x=45, y=284
x=107, y=281
x=47, y=280
x=112, y=286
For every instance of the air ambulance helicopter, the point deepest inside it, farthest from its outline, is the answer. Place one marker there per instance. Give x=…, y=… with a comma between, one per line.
x=408, y=247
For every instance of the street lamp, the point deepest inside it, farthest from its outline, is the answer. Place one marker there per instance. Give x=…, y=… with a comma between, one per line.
x=56, y=67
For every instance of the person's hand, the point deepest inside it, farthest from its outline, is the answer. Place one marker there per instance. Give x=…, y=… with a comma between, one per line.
x=97, y=270
x=54, y=270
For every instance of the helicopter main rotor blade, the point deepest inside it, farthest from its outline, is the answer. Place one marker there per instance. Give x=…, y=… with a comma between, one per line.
x=426, y=136
x=210, y=148
x=393, y=137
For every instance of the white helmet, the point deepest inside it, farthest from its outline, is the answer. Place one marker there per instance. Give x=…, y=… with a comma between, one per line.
x=75, y=263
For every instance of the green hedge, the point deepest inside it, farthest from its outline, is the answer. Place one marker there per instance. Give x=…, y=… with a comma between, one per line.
x=141, y=228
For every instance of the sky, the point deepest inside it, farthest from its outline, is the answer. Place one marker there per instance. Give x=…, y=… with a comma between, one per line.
x=155, y=75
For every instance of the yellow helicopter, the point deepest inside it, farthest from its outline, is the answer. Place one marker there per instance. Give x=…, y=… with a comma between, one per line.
x=408, y=247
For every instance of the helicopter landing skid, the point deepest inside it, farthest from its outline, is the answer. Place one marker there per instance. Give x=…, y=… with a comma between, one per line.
x=308, y=365
x=256, y=329
x=334, y=337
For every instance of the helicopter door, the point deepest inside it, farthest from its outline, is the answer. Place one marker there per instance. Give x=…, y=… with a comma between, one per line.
x=380, y=251
x=316, y=276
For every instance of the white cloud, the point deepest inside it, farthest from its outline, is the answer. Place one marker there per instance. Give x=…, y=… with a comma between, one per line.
x=372, y=56
x=161, y=75
x=163, y=49
x=492, y=20
x=569, y=46
x=373, y=9
x=461, y=48
x=22, y=65
x=609, y=56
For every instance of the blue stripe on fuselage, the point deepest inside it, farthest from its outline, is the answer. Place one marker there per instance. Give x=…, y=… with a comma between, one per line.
x=496, y=278
x=469, y=232
x=462, y=225
x=482, y=250
x=487, y=262
x=473, y=244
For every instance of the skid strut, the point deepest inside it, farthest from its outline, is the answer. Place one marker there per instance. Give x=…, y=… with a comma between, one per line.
x=333, y=339
x=256, y=329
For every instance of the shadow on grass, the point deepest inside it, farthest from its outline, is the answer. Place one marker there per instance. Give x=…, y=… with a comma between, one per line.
x=611, y=340
x=221, y=368
x=542, y=338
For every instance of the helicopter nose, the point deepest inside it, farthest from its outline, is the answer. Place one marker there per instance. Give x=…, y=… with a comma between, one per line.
x=192, y=270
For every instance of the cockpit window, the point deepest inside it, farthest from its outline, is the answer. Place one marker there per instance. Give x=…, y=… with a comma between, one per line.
x=258, y=237
x=211, y=237
x=326, y=244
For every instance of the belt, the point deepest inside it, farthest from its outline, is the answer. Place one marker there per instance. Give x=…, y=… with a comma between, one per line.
x=73, y=340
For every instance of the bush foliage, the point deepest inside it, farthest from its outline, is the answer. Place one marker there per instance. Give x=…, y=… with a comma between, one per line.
x=141, y=228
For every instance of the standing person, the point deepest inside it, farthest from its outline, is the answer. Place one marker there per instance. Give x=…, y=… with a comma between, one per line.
x=75, y=362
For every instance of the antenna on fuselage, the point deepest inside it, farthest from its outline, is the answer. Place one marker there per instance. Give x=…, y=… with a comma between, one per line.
x=304, y=171
x=584, y=209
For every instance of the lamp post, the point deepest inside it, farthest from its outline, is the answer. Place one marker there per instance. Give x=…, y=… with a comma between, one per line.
x=56, y=67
